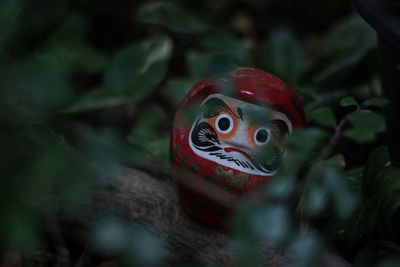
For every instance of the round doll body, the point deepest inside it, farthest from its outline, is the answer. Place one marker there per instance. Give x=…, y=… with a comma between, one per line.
x=227, y=139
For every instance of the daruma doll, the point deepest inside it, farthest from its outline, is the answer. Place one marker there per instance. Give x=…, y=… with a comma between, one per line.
x=227, y=140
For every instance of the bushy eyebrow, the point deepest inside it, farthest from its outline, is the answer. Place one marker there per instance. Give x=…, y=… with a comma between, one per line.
x=214, y=106
x=279, y=129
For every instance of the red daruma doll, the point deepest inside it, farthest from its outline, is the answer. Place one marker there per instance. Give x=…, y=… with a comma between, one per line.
x=227, y=140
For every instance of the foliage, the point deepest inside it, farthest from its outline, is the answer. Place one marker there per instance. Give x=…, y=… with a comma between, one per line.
x=75, y=102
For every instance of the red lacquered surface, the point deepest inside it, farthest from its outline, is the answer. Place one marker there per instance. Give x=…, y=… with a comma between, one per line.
x=213, y=168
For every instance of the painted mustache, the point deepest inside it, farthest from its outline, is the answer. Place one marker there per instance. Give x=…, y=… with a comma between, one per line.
x=205, y=138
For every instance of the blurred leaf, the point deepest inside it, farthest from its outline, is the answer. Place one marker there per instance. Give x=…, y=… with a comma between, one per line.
x=359, y=135
x=145, y=249
x=338, y=71
x=378, y=254
x=344, y=199
x=137, y=69
x=367, y=257
x=246, y=253
x=97, y=99
x=146, y=135
x=315, y=200
x=131, y=243
x=132, y=75
x=109, y=235
x=73, y=29
x=179, y=87
x=349, y=35
x=224, y=53
x=203, y=64
x=348, y=101
x=377, y=160
x=40, y=15
x=366, y=123
x=324, y=116
x=306, y=251
x=171, y=16
x=223, y=42
x=380, y=180
x=82, y=57
x=283, y=56
x=376, y=102
x=300, y=148
x=9, y=11
x=22, y=229
x=342, y=49
x=37, y=85
x=271, y=224
x=380, y=188
x=69, y=44
x=109, y=149
x=280, y=186
x=36, y=19
x=390, y=262
x=337, y=160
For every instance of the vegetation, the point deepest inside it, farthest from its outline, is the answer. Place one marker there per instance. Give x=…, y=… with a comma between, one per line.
x=86, y=85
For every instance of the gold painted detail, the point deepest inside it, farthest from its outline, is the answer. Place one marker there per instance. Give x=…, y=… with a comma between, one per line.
x=234, y=180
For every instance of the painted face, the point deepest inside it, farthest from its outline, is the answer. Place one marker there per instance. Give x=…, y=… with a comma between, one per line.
x=234, y=134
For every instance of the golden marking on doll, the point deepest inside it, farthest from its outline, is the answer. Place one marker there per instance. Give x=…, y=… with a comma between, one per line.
x=235, y=180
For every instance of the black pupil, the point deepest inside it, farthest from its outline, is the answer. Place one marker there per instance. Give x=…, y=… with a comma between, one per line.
x=262, y=136
x=224, y=124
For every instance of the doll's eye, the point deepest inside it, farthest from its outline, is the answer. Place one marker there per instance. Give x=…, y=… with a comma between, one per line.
x=261, y=136
x=224, y=124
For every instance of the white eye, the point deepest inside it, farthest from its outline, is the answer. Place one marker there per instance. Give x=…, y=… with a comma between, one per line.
x=224, y=124
x=261, y=136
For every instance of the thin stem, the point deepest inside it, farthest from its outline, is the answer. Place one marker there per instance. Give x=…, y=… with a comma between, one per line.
x=328, y=150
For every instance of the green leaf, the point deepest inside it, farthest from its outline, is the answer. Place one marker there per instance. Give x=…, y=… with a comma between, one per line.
x=222, y=53
x=97, y=99
x=337, y=160
x=202, y=64
x=347, y=36
x=324, y=116
x=179, y=87
x=359, y=135
x=282, y=55
x=380, y=187
x=381, y=254
x=348, y=101
x=37, y=18
x=344, y=199
x=146, y=135
x=73, y=29
x=367, y=120
x=36, y=86
x=131, y=76
x=9, y=11
x=343, y=49
x=223, y=42
x=69, y=44
x=305, y=250
x=316, y=199
x=390, y=262
x=137, y=69
x=377, y=161
x=300, y=147
x=171, y=16
x=376, y=102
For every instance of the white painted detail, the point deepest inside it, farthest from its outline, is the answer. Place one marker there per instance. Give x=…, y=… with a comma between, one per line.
x=235, y=159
